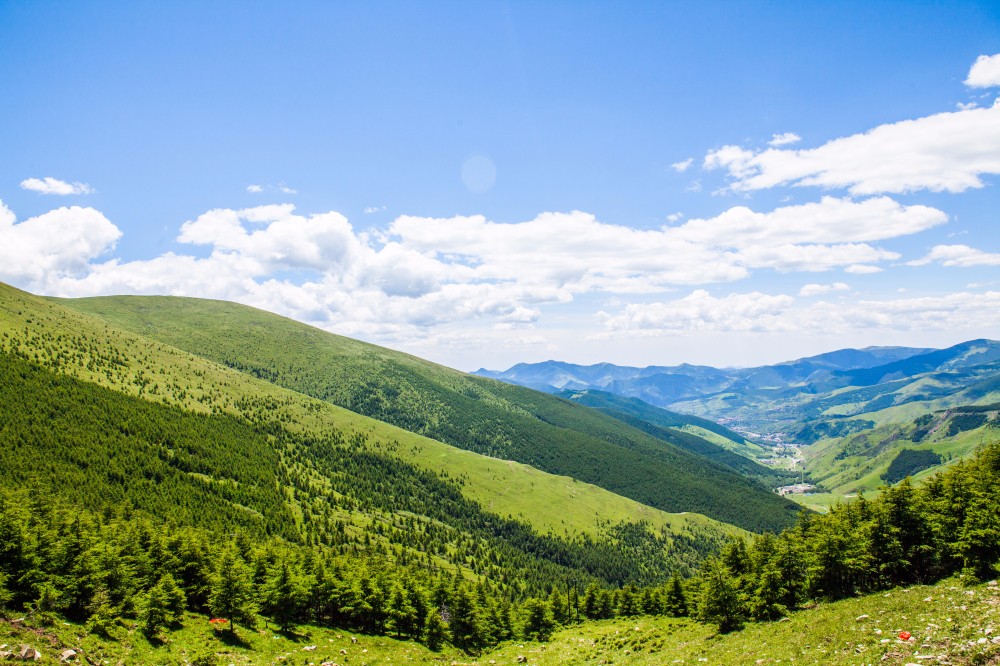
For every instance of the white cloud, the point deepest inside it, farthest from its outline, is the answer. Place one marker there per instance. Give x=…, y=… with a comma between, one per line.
x=784, y=139
x=682, y=166
x=424, y=271
x=756, y=312
x=50, y=185
x=280, y=187
x=961, y=256
x=674, y=217
x=60, y=242
x=830, y=220
x=985, y=72
x=862, y=269
x=373, y=209
x=413, y=279
x=943, y=152
x=814, y=289
x=700, y=311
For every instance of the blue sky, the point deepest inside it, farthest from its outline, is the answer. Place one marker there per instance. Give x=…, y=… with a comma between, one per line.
x=486, y=183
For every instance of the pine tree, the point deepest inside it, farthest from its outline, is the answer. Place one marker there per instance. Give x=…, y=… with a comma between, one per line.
x=675, y=601
x=435, y=630
x=560, y=609
x=629, y=601
x=765, y=600
x=232, y=593
x=538, y=621
x=162, y=607
x=591, y=602
x=467, y=631
x=403, y=617
x=283, y=596
x=720, y=603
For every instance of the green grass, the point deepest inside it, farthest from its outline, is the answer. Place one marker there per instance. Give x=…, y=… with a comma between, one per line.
x=197, y=641
x=69, y=341
x=946, y=620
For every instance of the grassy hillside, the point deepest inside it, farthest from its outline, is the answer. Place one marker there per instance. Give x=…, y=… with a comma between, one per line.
x=481, y=415
x=52, y=337
x=948, y=622
x=861, y=461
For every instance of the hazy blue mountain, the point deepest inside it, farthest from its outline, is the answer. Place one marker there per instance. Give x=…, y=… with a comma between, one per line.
x=664, y=385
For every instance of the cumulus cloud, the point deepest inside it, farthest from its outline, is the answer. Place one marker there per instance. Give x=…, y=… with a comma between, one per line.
x=413, y=278
x=774, y=313
x=985, y=72
x=254, y=189
x=683, y=165
x=814, y=289
x=944, y=152
x=49, y=185
x=59, y=242
x=784, y=139
x=961, y=256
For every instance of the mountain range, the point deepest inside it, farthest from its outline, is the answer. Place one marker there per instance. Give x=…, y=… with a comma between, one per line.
x=778, y=398
x=160, y=447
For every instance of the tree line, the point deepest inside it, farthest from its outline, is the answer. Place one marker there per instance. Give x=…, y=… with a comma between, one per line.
x=907, y=535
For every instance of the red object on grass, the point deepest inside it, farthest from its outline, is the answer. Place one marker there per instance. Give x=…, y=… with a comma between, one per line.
x=904, y=635
x=217, y=620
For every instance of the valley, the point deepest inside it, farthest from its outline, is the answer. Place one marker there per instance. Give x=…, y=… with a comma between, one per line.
x=154, y=444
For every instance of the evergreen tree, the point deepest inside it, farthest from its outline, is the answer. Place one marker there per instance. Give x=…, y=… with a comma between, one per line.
x=5, y=595
x=720, y=603
x=232, y=592
x=163, y=606
x=403, y=615
x=650, y=602
x=103, y=616
x=466, y=626
x=283, y=596
x=767, y=594
x=675, y=601
x=605, y=605
x=591, y=602
x=559, y=606
x=538, y=621
x=435, y=630
x=629, y=601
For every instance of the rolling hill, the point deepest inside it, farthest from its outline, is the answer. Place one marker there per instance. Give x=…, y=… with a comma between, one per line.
x=79, y=390
x=473, y=413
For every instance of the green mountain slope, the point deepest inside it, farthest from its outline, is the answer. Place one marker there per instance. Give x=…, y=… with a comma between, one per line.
x=865, y=460
x=311, y=434
x=473, y=413
x=663, y=424
x=94, y=447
